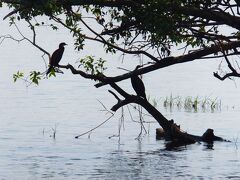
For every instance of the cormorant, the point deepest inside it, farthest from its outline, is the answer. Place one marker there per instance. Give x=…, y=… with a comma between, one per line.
x=138, y=85
x=56, y=57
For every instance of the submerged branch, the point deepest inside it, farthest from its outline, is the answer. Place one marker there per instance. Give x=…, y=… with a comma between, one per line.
x=94, y=127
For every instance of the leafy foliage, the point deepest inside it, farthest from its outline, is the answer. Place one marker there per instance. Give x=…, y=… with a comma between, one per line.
x=52, y=73
x=94, y=66
x=150, y=24
x=149, y=27
x=17, y=76
x=35, y=77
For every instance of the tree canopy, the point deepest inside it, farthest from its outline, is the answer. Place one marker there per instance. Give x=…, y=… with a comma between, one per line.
x=148, y=27
x=165, y=32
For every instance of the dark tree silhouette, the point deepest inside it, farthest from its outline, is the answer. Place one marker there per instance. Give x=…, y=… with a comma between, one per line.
x=145, y=28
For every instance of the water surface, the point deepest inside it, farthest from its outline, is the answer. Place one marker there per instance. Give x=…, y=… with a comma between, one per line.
x=70, y=104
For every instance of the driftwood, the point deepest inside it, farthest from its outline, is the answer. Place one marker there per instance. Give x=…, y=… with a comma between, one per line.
x=182, y=138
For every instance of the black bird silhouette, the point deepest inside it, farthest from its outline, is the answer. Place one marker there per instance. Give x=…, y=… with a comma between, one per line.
x=138, y=85
x=56, y=57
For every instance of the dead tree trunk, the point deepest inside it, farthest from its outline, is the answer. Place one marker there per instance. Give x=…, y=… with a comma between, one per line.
x=170, y=131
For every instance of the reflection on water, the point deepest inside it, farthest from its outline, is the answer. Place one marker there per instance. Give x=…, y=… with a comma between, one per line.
x=100, y=158
x=28, y=153
x=164, y=164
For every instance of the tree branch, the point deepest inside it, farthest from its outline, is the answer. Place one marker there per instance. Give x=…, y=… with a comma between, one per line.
x=118, y=48
x=81, y=73
x=103, y=41
x=223, y=17
x=114, y=95
x=228, y=62
x=33, y=42
x=173, y=60
x=233, y=73
x=122, y=103
x=228, y=75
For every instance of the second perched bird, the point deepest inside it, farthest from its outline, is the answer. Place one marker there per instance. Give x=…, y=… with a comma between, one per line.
x=56, y=57
x=138, y=85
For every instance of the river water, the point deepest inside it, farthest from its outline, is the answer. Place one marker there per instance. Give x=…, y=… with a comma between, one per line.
x=70, y=105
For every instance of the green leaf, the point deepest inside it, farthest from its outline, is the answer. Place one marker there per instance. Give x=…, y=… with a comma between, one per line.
x=35, y=77
x=92, y=65
x=52, y=73
x=17, y=76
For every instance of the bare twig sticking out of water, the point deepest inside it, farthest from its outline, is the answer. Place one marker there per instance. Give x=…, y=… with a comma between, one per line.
x=143, y=114
x=142, y=129
x=235, y=140
x=89, y=135
x=53, y=131
x=43, y=131
x=91, y=130
x=141, y=120
x=120, y=126
x=94, y=127
x=105, y=108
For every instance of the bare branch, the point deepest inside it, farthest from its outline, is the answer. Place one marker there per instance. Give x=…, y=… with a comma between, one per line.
x=14, y=12
x=33, y=42
x=8, y=36
x=228, y=62
x=114, y=95
x=94, y=127
x=123, y=103
x=218, y=16
x=233, y=73
x=33, y=30
x=83, y=74
x=228, y=75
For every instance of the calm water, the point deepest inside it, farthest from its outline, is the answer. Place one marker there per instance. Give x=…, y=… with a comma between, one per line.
x=70, y=104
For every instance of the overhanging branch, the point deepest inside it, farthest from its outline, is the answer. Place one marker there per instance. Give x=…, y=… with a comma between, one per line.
x=81, y=73
x=218, y=16
x=173, y=60
x=99, y=38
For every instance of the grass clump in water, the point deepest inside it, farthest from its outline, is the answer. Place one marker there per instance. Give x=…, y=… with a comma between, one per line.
x=190, y=103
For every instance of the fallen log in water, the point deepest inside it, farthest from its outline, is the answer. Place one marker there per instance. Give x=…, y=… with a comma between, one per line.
x=183, y=138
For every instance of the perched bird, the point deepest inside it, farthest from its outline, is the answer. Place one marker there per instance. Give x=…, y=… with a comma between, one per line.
x=56, y=57
x=138, y=85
